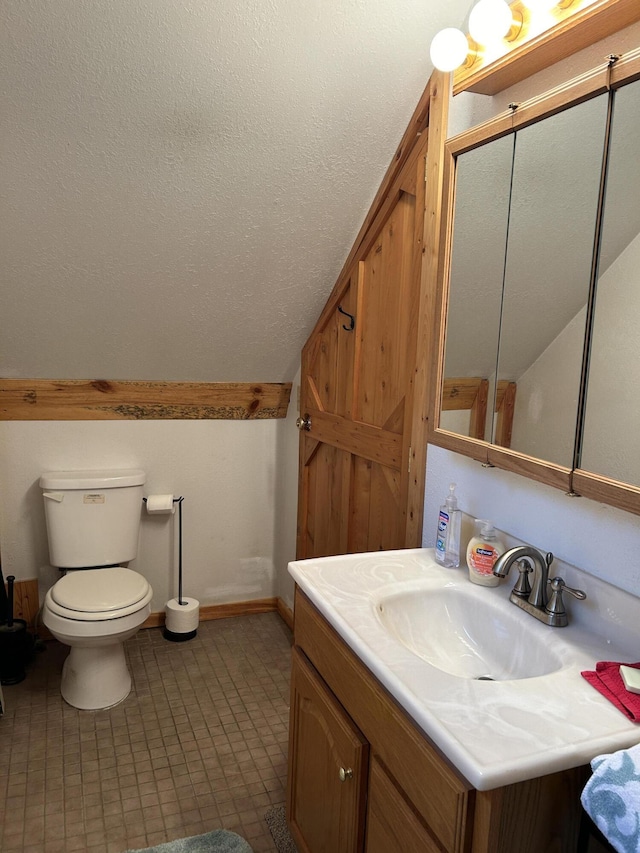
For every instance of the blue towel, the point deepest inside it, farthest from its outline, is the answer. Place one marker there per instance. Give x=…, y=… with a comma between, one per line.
x=611, y=798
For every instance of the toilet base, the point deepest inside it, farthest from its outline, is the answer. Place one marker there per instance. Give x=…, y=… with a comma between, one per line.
x=95, y=677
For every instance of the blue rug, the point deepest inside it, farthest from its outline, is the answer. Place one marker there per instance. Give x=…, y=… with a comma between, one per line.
x=218, y=841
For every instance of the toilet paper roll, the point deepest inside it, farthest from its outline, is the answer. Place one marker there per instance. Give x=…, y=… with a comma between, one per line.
x=160, y=505
x=182, y=618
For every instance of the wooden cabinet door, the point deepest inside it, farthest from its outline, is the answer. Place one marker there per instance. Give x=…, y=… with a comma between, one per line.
x=392, y=824
x=357, y=393
x=325, y=808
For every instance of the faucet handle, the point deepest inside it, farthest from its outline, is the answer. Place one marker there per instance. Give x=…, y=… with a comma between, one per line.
x=523, y=588
x=556, y=604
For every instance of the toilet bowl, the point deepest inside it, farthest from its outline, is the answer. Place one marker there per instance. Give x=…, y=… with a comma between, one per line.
x=94, y=611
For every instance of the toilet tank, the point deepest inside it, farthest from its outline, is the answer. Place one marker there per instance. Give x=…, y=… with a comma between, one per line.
x=93, y=517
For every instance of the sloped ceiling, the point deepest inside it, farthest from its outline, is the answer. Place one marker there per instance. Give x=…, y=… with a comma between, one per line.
x=181, y=182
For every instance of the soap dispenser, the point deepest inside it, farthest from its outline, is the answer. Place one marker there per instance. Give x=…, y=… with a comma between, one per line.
x=448, y=532
x=482, y=552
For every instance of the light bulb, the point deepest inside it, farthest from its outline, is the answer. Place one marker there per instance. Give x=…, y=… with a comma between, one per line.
x=449, y=49
x=490, y=21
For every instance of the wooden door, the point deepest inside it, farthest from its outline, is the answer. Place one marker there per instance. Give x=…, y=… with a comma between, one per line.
x=328, y=765
x=356, y=390
x=364, y=386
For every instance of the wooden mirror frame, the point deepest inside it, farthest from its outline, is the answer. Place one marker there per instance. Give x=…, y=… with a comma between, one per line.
x=573, y=481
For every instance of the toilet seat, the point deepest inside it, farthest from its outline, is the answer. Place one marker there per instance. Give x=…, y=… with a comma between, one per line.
x=99, y=594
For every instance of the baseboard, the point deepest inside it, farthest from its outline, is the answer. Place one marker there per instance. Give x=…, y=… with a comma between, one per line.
x=222, y=611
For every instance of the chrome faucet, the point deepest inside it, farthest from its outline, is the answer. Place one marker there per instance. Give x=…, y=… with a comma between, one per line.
x=533, y=598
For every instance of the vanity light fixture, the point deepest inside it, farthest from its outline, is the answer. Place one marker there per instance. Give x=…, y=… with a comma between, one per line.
x=490, y=22
x=449, y=49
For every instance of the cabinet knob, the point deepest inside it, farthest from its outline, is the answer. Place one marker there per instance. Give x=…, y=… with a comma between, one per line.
x=345, y=773
x=304, y=423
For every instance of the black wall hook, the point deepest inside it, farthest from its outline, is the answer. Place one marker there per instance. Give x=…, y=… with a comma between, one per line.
x=352, y=320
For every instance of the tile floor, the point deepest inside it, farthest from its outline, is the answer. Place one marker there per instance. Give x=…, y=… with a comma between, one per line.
x=199, y=744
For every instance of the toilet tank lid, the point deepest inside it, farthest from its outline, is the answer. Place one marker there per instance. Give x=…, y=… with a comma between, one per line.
x=110, y=478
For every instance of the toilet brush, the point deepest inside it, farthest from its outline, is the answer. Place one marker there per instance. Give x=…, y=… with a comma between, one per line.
x=181, y=614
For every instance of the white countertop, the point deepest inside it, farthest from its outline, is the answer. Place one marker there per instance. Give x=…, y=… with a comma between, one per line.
x=494, y=732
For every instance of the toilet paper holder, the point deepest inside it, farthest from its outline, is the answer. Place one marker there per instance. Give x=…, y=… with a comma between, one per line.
x=179, y=502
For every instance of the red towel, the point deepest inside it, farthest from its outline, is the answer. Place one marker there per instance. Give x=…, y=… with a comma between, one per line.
x=608, y=681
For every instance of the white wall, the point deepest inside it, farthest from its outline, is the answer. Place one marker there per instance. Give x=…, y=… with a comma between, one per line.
x=228, y=472
x=599, y=539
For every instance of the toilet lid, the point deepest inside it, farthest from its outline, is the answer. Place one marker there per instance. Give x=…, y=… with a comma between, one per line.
x=100, y=590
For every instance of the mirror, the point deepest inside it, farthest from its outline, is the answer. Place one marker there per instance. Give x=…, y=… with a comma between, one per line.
x=541, y=253
x=524, y=222
x=611, y=437
x=552, y=224
x=477, y=267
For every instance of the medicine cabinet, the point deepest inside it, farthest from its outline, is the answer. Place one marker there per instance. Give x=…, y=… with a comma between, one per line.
x=538, y=362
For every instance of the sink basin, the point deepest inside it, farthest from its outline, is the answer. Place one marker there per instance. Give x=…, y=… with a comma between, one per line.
x=468, y=635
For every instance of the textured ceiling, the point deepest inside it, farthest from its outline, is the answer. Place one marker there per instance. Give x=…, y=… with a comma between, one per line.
x=181, y=182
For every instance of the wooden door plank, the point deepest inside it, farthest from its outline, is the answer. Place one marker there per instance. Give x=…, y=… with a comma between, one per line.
x=362, y=439
x=386, y=316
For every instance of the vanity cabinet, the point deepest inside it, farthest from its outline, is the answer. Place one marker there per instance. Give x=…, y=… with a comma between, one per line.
x=401, y=794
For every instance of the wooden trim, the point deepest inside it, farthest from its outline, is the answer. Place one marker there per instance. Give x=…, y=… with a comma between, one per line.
x=554, y=475
x=569, y=94
x=440, y=273
x=480, y=134
x=100, y=399
x=605, y=490
x=420, y=391
x=626, y=69
x=472, y=447
x=208, y=612
x=576, y=31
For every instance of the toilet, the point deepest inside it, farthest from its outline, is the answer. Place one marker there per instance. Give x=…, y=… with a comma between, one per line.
x=93, y=521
